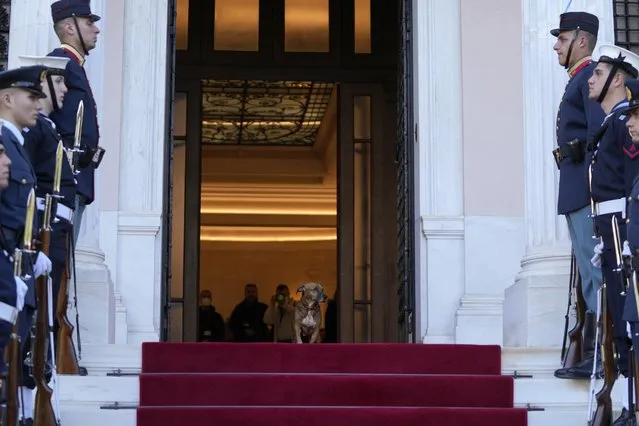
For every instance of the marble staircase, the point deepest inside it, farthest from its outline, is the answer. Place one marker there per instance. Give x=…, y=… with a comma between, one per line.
x=553, y=402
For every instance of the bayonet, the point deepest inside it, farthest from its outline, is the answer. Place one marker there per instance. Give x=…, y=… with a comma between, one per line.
x=77, y=141
x=27, y=239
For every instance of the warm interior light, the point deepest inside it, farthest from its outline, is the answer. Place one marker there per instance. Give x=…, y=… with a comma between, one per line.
x=266, y=234
x=267, y=211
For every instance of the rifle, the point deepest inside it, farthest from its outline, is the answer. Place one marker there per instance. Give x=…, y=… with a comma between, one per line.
x=603, y=414
x=66, y=357
x=574, y=338
x=13, y=352
x=44, y=414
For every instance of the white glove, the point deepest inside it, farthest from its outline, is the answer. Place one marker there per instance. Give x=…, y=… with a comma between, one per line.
x=626, y=249
x=21, y=292
x=596, y=259
x=42, y=265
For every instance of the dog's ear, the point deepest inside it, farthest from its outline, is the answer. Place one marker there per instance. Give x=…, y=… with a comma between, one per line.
x=300, y=289
x=320, y=292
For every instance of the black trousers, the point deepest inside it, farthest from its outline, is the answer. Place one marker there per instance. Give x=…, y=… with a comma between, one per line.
x=615, y=286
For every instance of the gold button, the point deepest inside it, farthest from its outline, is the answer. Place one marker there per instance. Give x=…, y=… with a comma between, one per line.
x=627, y=220
x=629, y=198
x=24, y=181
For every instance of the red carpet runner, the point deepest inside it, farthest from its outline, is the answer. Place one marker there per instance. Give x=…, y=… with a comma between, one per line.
x=264, y=384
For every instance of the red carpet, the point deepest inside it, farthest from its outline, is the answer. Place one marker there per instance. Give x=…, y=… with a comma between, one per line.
x=341, y=385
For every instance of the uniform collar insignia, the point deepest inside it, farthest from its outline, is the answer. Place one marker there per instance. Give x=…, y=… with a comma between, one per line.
x=79, y=57
x=579, y=65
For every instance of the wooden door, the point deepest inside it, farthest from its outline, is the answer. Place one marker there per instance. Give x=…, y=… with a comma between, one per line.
x=363, y=236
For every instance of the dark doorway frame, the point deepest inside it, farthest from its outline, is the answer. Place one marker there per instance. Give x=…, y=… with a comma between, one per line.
x=185, y=71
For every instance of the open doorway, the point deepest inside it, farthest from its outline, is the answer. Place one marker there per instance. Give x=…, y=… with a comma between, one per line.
x=285, y=160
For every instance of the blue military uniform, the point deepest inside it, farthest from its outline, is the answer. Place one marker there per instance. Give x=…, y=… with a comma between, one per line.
x=13, y=199
x=41, y=143
x=79, y=90
x=578, y=119
x=8, y=296
x=614, y=164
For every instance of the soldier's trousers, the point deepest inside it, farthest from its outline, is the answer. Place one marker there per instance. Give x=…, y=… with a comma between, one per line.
x=583, y=243
x=614, y=286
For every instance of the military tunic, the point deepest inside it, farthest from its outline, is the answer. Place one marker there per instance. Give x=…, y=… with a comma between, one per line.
x=41, y=142
x=79, y=89
x=579, y=118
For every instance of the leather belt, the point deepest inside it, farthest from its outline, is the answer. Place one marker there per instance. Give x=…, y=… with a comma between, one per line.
x=8, y=313
x=62, y=211
x=610, y=207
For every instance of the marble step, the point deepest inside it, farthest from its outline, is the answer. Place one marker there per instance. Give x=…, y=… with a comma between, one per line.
x=564, y=402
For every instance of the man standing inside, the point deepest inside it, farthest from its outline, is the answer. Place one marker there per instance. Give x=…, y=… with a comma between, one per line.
x=75, y=27
x=578, y=118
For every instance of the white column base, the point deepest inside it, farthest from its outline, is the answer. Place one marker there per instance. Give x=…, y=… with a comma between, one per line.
x=535, y=305
x=441, y=277
x=139, y=266
x=95, y=297
x=479, y=320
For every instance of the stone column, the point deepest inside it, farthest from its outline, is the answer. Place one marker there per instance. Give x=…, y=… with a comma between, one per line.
x=439, y=167
x=141, y=166
x=535, y=304
x=31, y=29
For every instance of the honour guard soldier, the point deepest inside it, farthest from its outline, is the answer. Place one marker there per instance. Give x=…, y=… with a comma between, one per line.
x=20, y=94
x=615, y=162
x=74, y=24
x=12, y=289
x=578, y=118
x=631, y=247
x=41, y=143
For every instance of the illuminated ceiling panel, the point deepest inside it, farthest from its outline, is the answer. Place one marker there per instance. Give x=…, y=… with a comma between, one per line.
x=257, y=112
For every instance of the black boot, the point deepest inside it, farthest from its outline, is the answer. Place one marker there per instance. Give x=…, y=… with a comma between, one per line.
x=583, y=370
x=625, y=419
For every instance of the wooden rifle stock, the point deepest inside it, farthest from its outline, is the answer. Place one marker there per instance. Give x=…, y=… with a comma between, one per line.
x=43, y=414
x=12, y=358
x=603, y=413
x=574, y=354
x=65, y=352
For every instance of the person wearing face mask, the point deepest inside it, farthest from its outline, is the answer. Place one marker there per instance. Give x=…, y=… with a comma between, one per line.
x=75, y=26
x=211, y=324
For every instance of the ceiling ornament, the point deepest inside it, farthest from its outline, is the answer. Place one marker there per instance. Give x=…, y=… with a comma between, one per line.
x=258, y=112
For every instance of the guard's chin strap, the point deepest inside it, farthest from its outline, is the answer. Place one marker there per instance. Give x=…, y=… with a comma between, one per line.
x=606, y=86
x=54, y=100
x=572, y=43
x=77, y=27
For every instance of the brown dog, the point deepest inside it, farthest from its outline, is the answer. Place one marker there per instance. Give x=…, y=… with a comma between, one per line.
x=307, y=312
